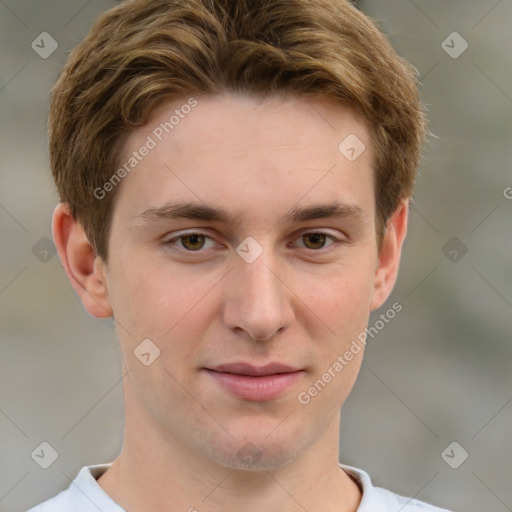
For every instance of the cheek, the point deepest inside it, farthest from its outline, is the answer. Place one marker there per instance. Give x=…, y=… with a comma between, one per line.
x=342, y=298
x=175, y=306
x=153, y=297
x=170, y=307
x=342, y=304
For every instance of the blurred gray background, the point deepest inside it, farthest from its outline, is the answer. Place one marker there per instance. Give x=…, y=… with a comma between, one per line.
x=439, y=373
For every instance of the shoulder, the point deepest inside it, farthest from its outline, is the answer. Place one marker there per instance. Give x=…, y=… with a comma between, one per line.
x=376, y=498
x=392, y=501
x=83, y=495
x=58, y=503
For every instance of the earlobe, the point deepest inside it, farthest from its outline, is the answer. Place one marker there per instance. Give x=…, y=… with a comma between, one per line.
x=85, y=270
x=389, y=255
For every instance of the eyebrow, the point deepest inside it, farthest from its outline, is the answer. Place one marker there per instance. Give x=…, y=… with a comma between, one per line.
x=197, y=211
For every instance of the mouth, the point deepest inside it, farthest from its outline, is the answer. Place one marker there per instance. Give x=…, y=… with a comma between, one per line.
x=253, y=383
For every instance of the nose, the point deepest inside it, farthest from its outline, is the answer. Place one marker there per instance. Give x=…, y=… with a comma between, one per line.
x=258, y=298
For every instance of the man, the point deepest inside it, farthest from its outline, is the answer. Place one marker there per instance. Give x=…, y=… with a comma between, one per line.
x=234, y=180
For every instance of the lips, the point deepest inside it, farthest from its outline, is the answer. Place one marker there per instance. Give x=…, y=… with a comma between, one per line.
x=254, y=371
x=255, y=383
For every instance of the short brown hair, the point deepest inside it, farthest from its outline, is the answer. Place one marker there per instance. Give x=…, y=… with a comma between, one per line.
x=145, y=51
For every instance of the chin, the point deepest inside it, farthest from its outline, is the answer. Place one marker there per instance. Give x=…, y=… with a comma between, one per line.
x=257, y=452
x=250, y=457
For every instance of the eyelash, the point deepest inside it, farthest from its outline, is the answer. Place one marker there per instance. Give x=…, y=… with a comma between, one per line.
x=335, y=240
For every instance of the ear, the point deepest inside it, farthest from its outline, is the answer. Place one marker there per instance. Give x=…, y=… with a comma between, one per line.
x=85, y=270
x=389, y=255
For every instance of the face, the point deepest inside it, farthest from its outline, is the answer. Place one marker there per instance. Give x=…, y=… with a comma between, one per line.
x=243, y=246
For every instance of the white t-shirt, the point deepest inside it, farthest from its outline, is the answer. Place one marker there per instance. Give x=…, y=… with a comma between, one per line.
x=85, y=495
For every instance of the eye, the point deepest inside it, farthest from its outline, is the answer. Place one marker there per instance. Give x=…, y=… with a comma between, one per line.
x=194, y=242
x=191, y=242
x=315, y=240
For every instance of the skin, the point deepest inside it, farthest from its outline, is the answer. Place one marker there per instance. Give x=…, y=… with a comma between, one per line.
x=301, y=302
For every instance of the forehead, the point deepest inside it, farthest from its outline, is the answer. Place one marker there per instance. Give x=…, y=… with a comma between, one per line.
x=231, y=122
x=248, y=153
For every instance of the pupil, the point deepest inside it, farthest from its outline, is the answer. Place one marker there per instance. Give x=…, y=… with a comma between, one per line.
x=316, y=238
x=194, y=241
